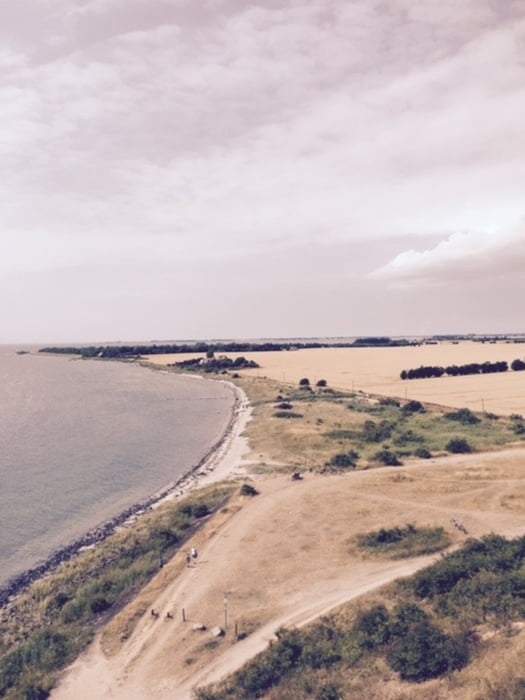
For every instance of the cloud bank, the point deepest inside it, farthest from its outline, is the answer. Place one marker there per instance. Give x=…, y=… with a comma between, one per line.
x=460, y=257
x=139, y=133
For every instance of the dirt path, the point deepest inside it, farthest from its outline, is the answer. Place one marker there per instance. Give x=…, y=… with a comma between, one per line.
x=285, y=557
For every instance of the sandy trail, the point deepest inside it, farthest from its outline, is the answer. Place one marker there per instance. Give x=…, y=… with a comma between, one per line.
x=286, y=557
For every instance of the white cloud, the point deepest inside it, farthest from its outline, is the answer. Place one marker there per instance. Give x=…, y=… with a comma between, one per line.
x=460, y=257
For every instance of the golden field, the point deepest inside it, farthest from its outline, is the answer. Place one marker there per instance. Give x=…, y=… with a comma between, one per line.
x=377, y=370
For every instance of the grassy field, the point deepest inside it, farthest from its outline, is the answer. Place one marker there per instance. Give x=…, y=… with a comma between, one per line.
x=325, y=423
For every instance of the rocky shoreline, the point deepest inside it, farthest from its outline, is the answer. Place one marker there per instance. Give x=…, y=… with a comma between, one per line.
x=21, y=582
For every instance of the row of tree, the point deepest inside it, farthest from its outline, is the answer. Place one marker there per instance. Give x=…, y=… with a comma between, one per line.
x=127, y=351
x=426, y=371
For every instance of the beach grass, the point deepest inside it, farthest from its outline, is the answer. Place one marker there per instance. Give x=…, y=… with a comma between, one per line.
x=45, y=628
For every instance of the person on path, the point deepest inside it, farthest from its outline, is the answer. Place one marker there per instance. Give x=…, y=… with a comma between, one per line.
x=194, y=554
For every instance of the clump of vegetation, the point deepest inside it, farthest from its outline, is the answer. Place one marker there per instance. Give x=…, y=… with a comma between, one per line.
x=376, y=432
x=389, y=401
x=413, y=407
x=387, y=458
x=458, y=446
x=463, y=416
x=304, y=382
x=342, y=434
x=287, y=414
x=215, y=364
x=248, y=490
x=321, y=383
x=482, y=582
x=343, y=460
x=284, y=405
x=407, y=541
x=423, y=453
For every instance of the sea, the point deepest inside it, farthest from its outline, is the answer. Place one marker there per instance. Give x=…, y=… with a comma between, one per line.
x=81, y=440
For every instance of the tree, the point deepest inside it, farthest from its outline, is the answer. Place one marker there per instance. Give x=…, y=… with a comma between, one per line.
x=304, y=381
x=321, y=382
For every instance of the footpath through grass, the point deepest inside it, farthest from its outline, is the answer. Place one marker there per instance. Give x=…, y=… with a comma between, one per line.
x=424, y=629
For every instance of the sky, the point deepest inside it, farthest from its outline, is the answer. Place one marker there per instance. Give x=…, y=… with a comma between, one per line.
x=232, y=169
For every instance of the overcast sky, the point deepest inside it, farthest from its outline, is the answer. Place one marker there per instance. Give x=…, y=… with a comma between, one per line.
x=224, y=168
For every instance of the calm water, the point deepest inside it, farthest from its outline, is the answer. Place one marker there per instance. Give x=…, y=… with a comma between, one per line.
x=81, y=440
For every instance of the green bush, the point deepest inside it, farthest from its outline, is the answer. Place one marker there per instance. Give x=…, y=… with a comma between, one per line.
x=405, y=541
x=458, y=446
x=426, y=652
x=463, y=416
x=423, y=453
x=376, y=432
x=287, y=414
x=413, y=407
x=407, y=437
x=344, y=460
x=387, y=458
x=373, y=627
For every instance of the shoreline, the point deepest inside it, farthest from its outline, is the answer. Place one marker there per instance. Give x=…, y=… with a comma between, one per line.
x=204, y=470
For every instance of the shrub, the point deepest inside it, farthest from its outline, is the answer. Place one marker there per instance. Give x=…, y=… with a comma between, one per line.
x=99, y=604
x=321, y=383
x=458, y=446
x=248, y=490
x=345, y=460
x=405, y=541
x=404, y=616
x=287, y=414
x=413, y=407
x=463, y=416
x=408, y=436
x=389, y=401
x=284, y=405
x=372, y=627
x=426, y=652
x=376, y=432
x=304, y=381
x=423, y=453
x=387, y=458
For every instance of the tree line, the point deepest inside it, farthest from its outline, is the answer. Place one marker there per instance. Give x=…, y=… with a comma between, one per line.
x=132, y=351
x=426, y=371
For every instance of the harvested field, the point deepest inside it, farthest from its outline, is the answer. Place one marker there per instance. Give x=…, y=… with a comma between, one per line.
x=377, y=370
